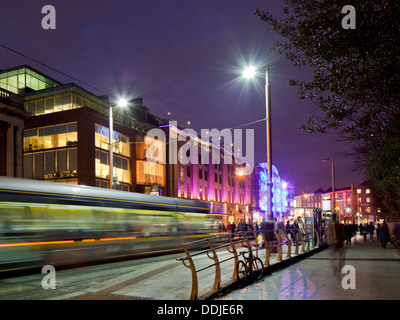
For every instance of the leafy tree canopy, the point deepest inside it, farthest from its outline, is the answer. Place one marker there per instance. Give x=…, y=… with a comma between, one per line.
x=356, y=79
x=356, y=72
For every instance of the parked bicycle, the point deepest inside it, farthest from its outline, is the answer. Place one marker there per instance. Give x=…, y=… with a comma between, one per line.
x=250, y=267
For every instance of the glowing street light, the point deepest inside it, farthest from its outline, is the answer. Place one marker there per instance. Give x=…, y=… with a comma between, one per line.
x=121, y=103
x=249, y=72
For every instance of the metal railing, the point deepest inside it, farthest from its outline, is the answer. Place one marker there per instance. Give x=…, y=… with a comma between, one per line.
x=224, y=251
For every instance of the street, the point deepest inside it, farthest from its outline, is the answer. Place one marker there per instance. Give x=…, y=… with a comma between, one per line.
x=74, y=281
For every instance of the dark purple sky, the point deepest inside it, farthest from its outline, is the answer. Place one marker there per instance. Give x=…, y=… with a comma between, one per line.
x=182, y=57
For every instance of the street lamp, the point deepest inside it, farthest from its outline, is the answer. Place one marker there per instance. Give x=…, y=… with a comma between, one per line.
x=249, y=73
x=120, y=103
x=333, y=187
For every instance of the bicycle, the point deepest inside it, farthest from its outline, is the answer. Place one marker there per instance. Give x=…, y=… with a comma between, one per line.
x=251, y=267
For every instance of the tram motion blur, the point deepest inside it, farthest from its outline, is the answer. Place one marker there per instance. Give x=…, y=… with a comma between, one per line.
x=60, y=224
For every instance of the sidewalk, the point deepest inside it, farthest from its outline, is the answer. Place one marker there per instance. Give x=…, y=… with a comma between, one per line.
x=170, y=280
x=376, y=269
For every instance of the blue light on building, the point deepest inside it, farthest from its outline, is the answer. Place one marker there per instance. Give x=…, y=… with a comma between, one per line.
x=282, y=192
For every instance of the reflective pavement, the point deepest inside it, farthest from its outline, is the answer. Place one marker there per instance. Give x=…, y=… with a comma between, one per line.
x=366, y=272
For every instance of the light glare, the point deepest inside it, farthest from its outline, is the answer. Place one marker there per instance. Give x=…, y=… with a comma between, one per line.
x=122, y=103
x=249, y=72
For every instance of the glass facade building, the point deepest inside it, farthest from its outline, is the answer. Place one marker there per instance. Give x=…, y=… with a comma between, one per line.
x=24, y=79
x=121, y=150
x=50, y=153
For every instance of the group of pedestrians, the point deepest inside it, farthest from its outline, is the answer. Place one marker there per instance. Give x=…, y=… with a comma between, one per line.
x=292, y=230
x=297, y=226
x=231, y=228
x=382, y=232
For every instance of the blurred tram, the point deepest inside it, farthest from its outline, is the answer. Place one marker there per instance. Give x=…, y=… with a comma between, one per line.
x=60, y=224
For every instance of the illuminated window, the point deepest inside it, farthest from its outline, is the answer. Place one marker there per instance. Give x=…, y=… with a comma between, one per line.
x=65, y=135
x=149, y=173
x=51, y=165
x=358, y=191
x=121, y=170
x=367, y=191
x=121, y=143
x=17, y=80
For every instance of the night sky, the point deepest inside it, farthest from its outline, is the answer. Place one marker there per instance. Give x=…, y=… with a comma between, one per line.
x=183, y=57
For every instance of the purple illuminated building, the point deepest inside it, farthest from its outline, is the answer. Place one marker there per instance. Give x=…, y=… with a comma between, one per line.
x=222, y=184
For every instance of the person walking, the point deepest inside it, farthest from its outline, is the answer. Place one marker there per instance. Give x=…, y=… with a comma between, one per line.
x=229, y=228
x=302, y=232
x=233, y=229
x=378, y=227
x=384, y=236
x=288, y=230
x=371, y=229
x=295, y=230
x=363, y=231
x=348, y=232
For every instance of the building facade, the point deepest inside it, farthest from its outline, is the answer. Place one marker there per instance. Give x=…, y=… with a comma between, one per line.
x=66, y=137
x=12, y=117
x=353, y=204
x=194, y=173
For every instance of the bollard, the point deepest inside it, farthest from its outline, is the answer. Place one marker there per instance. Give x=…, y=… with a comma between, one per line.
x=302, y=242
x=289, y=245
x=217, y=279
x=296, y=236
x=235, y=257
x=267, y=251
x=316, y=238
x=194, y=295
x=280, y=252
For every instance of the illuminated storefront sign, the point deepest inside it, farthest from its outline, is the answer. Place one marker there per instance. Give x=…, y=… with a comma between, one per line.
x=105, y=132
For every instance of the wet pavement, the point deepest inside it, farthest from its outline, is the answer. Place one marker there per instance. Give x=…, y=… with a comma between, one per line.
x=360, y=271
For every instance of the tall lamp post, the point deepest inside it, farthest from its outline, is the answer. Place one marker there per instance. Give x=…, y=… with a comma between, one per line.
x=120, y=103
x=249, y=73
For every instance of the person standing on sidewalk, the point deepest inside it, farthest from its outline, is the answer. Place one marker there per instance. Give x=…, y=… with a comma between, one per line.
x=363, y=231
x=229, y=228
x=295, y=230
x=371, y=229
x=348, y=232
x=378, y=227
x=288, y=229
x=384, y=234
